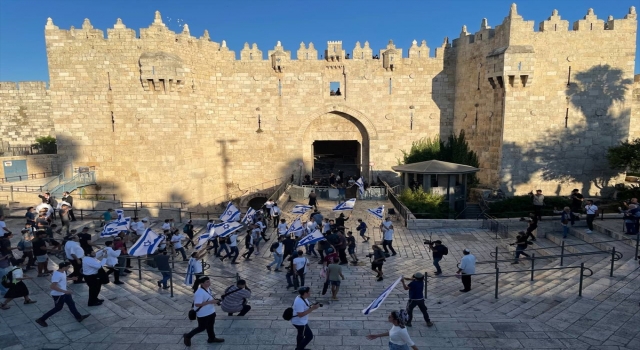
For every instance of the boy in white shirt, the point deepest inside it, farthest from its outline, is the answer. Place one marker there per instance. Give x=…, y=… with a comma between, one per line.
x=61, y=295
x=176, y=240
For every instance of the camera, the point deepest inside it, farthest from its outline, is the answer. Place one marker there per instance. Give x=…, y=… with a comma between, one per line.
x=319, y=304
x=369, y=256
x=426, y=241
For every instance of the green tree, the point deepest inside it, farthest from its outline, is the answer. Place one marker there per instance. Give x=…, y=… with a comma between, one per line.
x=626, y=156
x=46, y=144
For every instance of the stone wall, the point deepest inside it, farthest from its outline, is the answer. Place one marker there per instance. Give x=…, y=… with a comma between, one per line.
x=39, y=163
x=634, y=130
x=25, y=112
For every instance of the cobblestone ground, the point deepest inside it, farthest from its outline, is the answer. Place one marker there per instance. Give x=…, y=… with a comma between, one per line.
x=545, y=313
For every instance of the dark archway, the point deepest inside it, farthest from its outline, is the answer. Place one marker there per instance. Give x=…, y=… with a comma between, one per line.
x=257, y=202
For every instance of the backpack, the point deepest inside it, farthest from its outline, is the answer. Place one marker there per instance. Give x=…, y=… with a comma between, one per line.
x=7, y=280
x=445, y=250
x=274, y=246
x=185, y=229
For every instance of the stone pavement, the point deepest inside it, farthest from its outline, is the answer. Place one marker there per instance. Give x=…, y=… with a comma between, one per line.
x=542, y=314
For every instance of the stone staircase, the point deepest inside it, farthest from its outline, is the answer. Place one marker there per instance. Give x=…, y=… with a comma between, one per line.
x=473, y=211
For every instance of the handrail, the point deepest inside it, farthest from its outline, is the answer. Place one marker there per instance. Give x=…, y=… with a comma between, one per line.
x=163, y=205
x=618, y=256
x=26, y=177
x=573, y=245
x=230, y=197
x=58, y=178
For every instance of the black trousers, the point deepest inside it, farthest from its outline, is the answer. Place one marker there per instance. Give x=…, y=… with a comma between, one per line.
x=115, y=272
x=205, y=323
x=466, y=281
x=77, y=270
x=245, y=309
x=590, y=218
x=71, y=216
x=388, y=243
x=93, y=282
x=304, y=337
x=411, y=304
x=537, y=211
x=343, y=256
x=276, y=221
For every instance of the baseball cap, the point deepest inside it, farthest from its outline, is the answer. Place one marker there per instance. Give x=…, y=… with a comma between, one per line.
x=64, y=264
x=418, y=275
x=467, y=251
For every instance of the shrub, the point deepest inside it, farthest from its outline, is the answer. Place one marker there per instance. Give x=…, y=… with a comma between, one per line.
x=46, y=144
x=420, y=202
x=519, y=206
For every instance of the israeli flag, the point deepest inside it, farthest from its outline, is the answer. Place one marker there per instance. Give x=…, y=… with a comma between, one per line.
x=348, y=205
x=188, y=278
x=360, y=184
x=248, y=217
x=117, y=226
x=224, y=229
x=296, y=227
x=314, y=237
x=147, y=244
x=301, y=209
x=378, y=301
x=202, y=240
x=377, y=212
x=231, y=213
x=209, y=226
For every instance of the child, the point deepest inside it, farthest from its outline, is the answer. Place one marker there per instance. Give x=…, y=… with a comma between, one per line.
x=362, y=228
x=351, y=246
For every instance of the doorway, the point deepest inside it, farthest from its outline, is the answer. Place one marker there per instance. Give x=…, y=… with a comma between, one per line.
x=335, y=156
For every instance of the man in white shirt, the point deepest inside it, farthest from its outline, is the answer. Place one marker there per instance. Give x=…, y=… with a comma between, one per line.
x=263, y=230
x=298, y=271
x=176, y=240
x=592, y=211
x=467, y=268
x=61, y=295
x=282, y=227
x=387, y=240
x=278, y=254
x=74, y=254
x=137, y=226
x=275, y=215
x=233, y=246
x=3, y=227
x=90, y=268
x=300, y=320
x=112, y=261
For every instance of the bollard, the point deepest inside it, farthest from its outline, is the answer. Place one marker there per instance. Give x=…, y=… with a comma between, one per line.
x=533, y=263
x=613, y=256
x=562, y=254
x=171, y=282
x=497, y=278
x=139, y=269
x=581, y=278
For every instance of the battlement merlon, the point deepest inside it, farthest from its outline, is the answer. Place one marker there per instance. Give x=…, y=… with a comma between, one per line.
x=24, y=86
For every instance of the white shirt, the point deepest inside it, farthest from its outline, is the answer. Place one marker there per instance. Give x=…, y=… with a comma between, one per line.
x=591, y=209
x=44, y=205
x=300, y=305
x=311, y=226
x=3, y=225
x=275, y=211
x=177, y=240
x=138, y=227
x=72, y=247
x=112, y=256
x=388, y=233
x=166, y=226
x=468, y=264
x=197, y=265
x=280, y=249
x=282, y=228
x=90, y=266
x=61, y=279
x=400, y=336
x=326, y=227
x=300, y=263
x=200, y=297
x=261, y=225
x=268, y=204
x=255, y=233
x=234, y=240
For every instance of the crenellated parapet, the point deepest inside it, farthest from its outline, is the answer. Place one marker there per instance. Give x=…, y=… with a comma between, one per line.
x=391, y=57
x=362, y=53
x=307, y=53
x=419, y=52
x=250, y=53
x=279, y=57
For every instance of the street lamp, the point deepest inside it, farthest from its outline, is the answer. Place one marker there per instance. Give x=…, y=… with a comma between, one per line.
x=300, y=164
x=259, y=131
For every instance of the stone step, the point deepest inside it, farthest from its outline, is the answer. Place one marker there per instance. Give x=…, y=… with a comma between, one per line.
x=614, y=231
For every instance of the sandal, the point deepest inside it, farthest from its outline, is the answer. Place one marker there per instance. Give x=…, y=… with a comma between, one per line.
x=4, y=307
x=27, y=302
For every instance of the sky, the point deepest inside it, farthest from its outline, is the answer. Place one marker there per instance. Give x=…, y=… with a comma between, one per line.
x=22, y=46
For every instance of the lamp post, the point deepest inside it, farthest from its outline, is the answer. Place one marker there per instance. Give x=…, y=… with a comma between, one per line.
x=259, y=131
x=300, y=164
x=411, y=125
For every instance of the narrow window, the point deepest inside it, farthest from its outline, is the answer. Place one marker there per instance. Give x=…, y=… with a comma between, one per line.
x=478, y=80
x=109, y=80
x=334, y=88
x=153, y=70
x=250, y=56
x=113, y=123
x=566, y=119
x=307, y=55
x=279, y=87
x=390, y=85
x=569, y=77
x=555, y=27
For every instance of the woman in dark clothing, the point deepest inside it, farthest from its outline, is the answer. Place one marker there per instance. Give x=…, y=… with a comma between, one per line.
x=17, y=289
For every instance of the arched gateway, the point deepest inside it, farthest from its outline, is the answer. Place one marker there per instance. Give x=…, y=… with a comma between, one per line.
x=337, y=138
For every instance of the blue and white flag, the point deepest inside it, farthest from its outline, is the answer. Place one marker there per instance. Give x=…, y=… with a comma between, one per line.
x=248, y=217
x=202, y=240
x=378, y=301
x=231, y=213
x=360, y=184
x=116, y=226
x=377, y=212
x=348, y=205
x=146, y=244
x=301, y=209
x=188, y=278
x=315, y=236
x=209, y=226
x=296, y=227
x=224, y=229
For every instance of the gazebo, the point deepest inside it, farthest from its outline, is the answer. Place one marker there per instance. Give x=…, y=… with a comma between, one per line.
x=443, y=178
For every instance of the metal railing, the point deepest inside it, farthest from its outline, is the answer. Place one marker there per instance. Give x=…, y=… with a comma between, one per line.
x=14, y=151
x=24, y=188
x=78, y=180
x=492, y=224
x=403, y=211
x=531, y=271
x=53, y=183
x=221, y=200
x=161, y=205
x=97, y=196
x=26, y=177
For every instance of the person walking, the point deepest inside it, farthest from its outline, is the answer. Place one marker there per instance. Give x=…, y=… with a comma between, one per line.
x=61, y=295
x=233, y=246
x=162, y=263
x=26, y=247
x=63, y=212
x=592, y=211
x=342, y=248
x=300, y=320
x=467, y=268
x=351, y=247
x=565, y=217
x=176, y=241
x=399, y=338
x=538, y=203
x=235, y=299
x=275, y=215
x=204, y=306
x=66, y=197
x=248, y=244
x=377, y=262
x=188, y=230
x=521, y=244
x=277, y=248
x=576, y=205
x=439, y=251
x=16, y=286
x=313, y=200
x=416, y=297
x=387, y=238
x=362, y=229
x=112, y=261
x=90, y=268
x=334, y=275
x=74, y=254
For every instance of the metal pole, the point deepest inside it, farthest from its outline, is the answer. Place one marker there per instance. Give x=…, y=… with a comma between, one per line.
x=613, y=256
x=496, y=264
x=173, y=267
x=562, y=254
x=135, y=211
x=533, y=263
x=139, y=269
x=497, y=278
x=81, y=216
x=426, y=280
x=581, y=278
x=171, y=282
x=637, y=244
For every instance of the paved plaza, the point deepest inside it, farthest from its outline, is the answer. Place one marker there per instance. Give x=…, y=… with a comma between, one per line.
x=542, y=314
